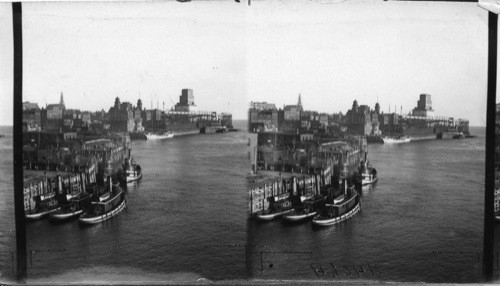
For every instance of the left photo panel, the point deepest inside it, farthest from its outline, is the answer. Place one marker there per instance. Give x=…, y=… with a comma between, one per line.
x=134, y=143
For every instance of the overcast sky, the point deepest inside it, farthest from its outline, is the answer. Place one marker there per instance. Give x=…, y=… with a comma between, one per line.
x=230, y=54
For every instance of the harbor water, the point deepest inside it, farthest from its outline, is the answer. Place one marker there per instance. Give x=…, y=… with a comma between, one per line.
x=422, y=221
x=187, y=219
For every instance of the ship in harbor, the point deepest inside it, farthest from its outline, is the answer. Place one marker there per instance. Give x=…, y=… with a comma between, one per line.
x=159, y=136
x=395, y=140
x=182, y=119
x=73, y=208
x=132, y=170
x=421, y=124
x=110, y=204
x=369, y=175
x=45, y=205
x=279, y=206
x=342, y=208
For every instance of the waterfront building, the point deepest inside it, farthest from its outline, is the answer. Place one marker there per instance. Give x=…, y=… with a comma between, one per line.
x=186, y=101
x=32, y=120
x=262, y=116
x=375, y=114
x=424, y=106
x=30, y=105
x=54, y=116
x=121, y=117
x=358, y=119
x=389, y=124
x=291, y=117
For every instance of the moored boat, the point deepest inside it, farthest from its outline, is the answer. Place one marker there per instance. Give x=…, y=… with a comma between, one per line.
x=73, y=208
x=299, y=214
x=39, y=213
x=307, y=211
x=279, y=205
x=395, y=140
x=103, y=210
x=44, y=207
x=339, y=211
x=133, y=171
x=159, y=136
x=272, y=215
x=369, y=175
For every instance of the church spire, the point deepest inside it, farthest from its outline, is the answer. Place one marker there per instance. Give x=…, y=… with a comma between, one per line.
x=61, y=101
x=300, y=101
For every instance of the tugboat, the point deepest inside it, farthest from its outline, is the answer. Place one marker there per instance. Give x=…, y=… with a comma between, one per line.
x=73, y=208
x=132, y=170
x=279, y=206
x=44, y=206
x=159, y=136
x=307, y=211
x=342, y=208
x=103, y=210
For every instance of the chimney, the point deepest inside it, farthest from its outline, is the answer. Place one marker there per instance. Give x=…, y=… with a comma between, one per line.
x=82, y=178
x=110, y=183
x=344, y=186
x=59, y=185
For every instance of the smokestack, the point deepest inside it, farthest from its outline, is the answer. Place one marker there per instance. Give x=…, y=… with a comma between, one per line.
x=59, y=185
x=82, y=178
x=110, y=183
x=344, y=185
x=294, y=184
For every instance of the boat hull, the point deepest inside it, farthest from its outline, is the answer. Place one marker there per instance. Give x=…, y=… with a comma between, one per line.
x=131, y=179
x=64, y=216
x=299, y=217
x=159, y=137
x=36, y=216
x=336, y=220
x=103, y=217
x=272, y=216
x=368, y=181
x=394, y=140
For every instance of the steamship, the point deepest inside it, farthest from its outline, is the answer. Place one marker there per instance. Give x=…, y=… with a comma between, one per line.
x=105, y=209
x=342, y=208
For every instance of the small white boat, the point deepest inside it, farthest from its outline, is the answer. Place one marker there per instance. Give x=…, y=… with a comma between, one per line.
x=159, y=136
x=133, y=176
x=40, y=214
x=369, y=178
x=133, y=172
x=395, y=140
x=268, y=216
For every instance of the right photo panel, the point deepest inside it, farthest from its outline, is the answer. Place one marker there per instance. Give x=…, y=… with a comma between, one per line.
x=366, y=127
